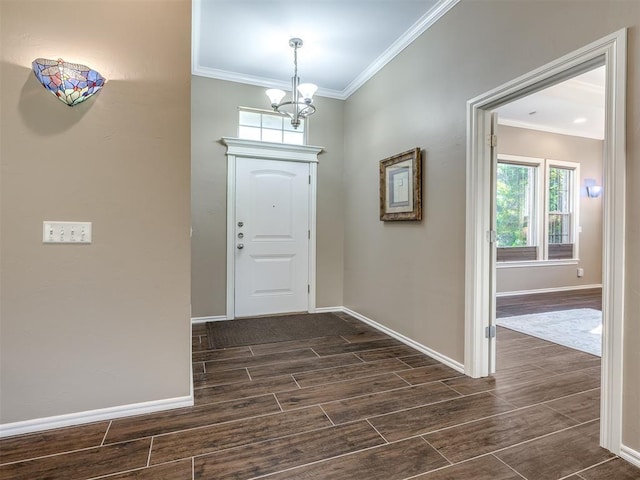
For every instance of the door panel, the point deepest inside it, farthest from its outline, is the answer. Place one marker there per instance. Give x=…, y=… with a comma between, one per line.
x=272, y=224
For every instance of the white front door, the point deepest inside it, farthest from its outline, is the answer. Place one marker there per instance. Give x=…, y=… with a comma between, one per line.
x=271, y=237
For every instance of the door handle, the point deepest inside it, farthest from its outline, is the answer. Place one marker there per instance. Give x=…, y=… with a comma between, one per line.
x=240, y=246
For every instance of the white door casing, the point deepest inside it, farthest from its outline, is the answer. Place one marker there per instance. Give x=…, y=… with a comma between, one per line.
x=610, y=51
x=272, y=241
x=276, y=168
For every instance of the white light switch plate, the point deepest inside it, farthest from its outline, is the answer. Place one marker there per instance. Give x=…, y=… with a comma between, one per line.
x=66, y=232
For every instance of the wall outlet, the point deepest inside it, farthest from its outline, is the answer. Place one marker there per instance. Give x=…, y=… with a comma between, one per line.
x=66, y=232
x=581, y=272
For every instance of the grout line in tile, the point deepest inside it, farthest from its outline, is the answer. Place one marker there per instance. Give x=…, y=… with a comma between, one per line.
x=418, y=475
x=345, y=339
x=251, y=350
x=439, y=452
x=248, y=373
x=193, y=468
x=587, y=468
x=505, y=463
x=321, y=461
x=66, y=452
x=563, y=414
x=478, y=420
x=524, y=442
x=251, y=417
x=378, y=432
x=547, y=401
x=327, y=415
x=150, y=448
x=404, y=380
x=492, y=393
x=278, y=402
x=106, y=433
x=296, y=381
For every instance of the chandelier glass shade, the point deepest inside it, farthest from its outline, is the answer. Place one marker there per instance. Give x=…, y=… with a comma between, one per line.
x=301, y=104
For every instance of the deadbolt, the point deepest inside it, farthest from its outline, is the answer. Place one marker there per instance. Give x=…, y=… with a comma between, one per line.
x=240, y=224
x=241, y=235
x=240, y=246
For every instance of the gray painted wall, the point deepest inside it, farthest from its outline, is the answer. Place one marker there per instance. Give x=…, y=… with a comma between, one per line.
x=410, y=277
x=107, y=324
x=588, y=153
x=215, y=115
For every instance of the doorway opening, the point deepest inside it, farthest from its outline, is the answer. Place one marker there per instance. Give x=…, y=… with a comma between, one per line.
x=547, y=215
x=481, y=251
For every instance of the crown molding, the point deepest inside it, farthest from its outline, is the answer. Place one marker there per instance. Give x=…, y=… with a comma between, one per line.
x=257, y=81
x=544, y=128
x=417, y=29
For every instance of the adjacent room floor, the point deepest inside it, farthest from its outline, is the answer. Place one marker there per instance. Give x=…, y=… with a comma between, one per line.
x=357, y=407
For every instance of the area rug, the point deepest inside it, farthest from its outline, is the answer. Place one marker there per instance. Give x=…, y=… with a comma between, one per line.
x=580, y=328
x=283, y=328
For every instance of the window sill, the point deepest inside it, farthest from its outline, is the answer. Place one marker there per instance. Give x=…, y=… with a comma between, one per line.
x=538, y=263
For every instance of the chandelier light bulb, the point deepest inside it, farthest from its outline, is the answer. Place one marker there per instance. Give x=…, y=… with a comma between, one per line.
x=307, y=90
x=275, y=95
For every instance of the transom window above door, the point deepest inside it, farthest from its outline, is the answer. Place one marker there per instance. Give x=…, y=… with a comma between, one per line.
x=266, y=126
x=537, y=209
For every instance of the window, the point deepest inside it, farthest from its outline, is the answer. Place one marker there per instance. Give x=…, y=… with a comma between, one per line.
x=267, y=126
x=536, y=209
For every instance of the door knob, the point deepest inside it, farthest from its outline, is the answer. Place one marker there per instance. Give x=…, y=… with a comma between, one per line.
x=240, y=246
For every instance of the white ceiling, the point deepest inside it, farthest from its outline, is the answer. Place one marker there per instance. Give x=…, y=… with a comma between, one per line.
x=346, y=42
x=573, y=107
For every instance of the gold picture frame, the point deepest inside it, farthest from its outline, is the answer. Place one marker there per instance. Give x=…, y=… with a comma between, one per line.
x=401, y=187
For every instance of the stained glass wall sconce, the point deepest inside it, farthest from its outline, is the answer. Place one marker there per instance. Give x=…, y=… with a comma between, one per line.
x=71, y=83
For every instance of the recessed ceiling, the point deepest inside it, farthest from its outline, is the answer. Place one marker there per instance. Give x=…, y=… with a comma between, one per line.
x=573, y=107
x=345, y=42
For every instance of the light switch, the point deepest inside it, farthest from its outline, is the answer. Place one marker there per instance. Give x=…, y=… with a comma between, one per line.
x=66, y=232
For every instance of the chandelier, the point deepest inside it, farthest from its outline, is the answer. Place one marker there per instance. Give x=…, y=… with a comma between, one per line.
x=301, y=104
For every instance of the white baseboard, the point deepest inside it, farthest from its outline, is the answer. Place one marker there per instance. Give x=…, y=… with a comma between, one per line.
x=407, y=341
x=329, y=309
x=548, y=290
x=90, y=416
x=630, y=455
x=217, y=318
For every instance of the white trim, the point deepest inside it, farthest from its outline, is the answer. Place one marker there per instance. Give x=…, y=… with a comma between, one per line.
x=90, y=416
x=611, y=51
x=407, y=341
x=547, y=290
x=330, y=309
x=313, y=198
x=216, y=318
x=240, y=148
x=417, y=29
x=630, y=455
x=537, y=263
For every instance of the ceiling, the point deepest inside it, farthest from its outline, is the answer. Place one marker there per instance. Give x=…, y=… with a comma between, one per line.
x=573, y=107
x=346, y=42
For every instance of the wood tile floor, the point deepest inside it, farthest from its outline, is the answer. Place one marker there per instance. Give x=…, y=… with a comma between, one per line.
x=359, y=407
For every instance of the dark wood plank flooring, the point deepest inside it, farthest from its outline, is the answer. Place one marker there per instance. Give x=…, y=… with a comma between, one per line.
x=360, y=407
x=548, y=302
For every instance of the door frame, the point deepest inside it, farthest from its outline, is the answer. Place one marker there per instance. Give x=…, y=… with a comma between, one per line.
x=238, y=149
x=610, y=51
